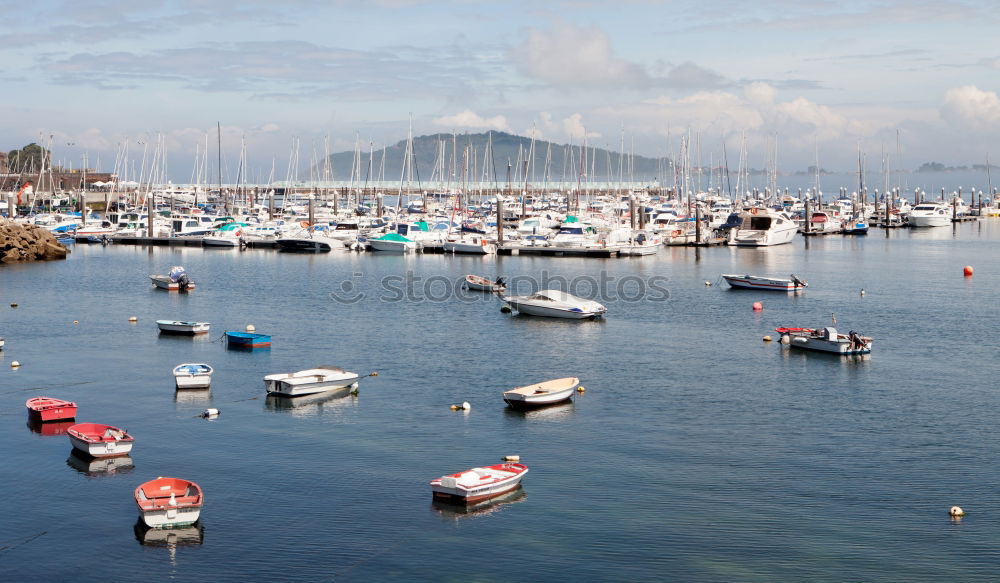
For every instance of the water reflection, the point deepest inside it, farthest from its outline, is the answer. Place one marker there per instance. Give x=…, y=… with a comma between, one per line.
x=455, y=512
x=98, y=467
x=173, y=337
x=51, y=427
x=169, y=538
x=193, y=396
x=317, y=404
x=558, y=412
x=788, y=353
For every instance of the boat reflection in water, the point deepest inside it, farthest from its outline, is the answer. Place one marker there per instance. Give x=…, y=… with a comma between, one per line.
x=315, y=404
x=560, y=412
x=98, y=467
x=169, y=538
x=454, y=512
x=50, y=427
x=193, y=396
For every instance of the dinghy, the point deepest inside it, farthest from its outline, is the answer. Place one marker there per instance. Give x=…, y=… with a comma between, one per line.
x=309, y=381
x=478, y=484
x=765, y=283
x=179, y=327
x=193, y=376
x=542, y=394
x=169, y=502
x=97, y=440
x=477, y=283
x=45, y=409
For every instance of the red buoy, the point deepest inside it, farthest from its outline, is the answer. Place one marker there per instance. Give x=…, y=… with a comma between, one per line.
x=757, y=306
x=967, y=270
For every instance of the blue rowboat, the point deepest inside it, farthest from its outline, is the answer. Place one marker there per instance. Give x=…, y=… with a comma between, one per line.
x=247, y=339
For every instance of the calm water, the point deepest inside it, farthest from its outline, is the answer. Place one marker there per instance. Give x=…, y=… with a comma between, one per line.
x=697, y=453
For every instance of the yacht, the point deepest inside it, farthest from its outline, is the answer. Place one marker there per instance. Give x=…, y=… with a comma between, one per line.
x=762, y=227
x=930, y=214
x=308, y=240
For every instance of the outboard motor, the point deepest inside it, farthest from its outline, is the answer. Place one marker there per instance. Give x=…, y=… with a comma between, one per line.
x=183, y=281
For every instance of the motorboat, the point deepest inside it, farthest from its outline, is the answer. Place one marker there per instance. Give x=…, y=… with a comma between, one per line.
x=45, y=409
x=247, y=339
x=97, y=440
x=642, y=244
x=176, y=279
x=793, y=283
x=392, y=243
x=542, y=394
x=930, y=214
x=309, y=381
x=826, y=340
x=825, y=222
x=169, y=502
x=308, y=240
x=470, y=244
x=555, y=304
x=227, y=235
x=193, y=376
x=179, y=327
x=477, y=283
x=762, y=227
x=478, y=484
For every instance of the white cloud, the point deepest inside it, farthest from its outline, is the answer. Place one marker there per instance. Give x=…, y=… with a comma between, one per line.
x=971, y=108
x=471, y=119
x=574, y=128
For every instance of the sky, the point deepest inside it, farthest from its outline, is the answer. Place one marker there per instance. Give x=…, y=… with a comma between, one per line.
x=791, y=81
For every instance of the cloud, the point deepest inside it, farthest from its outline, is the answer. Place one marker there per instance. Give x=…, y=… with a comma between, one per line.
x=571, y=56
x=971, y=108
x=470, y=119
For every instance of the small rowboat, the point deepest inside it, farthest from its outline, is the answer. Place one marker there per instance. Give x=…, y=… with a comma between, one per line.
x=98, y=440
x=765, y=283
x=826, y=340
x=479, y=484
x=178, y=327
x=542, y=394
x=49, y=409
x=193, y=376
x=247, y=340
x=169, y=502
x=477, y=283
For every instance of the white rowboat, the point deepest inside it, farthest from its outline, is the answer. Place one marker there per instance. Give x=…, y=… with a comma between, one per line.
x=542, y=394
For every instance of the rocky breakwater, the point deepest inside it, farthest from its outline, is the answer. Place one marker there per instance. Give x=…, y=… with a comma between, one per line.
x=19, y=243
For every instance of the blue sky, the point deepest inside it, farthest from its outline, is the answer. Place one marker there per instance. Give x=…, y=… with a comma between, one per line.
x=809, y=74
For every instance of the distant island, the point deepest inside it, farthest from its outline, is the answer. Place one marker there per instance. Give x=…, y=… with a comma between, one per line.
x=939, y=167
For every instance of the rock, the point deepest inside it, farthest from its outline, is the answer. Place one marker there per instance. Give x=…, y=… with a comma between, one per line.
x=19, y=243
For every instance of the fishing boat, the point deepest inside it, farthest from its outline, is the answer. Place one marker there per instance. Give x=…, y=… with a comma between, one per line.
x=193, y=376
x=247, y=339
x=98, y=440
x=169, y=502
x=179, y=327
x=826, y=340
x=793, y=283
x=307, y=382
x=46, y=409
x=478, y=484
x=393, y=243
x=175, y=280
x=477, y=283
x=542, y=394
x=553, y=303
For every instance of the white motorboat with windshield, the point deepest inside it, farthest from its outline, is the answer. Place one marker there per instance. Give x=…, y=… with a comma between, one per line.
x=765, y=283
x=930, y=214
x=309, y=381
x=762, y=227
x=554, y=303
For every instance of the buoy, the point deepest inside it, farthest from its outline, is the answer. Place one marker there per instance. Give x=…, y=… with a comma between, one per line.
x=133, y=319
x=15, y=364
x=758, y=306
x=708, y=283
x=76, y=321
x=967, y=270
x=374, y=374
x=786, y=339
x=209, y=413
x=956, y=511
x=504, y=309
x=580, y=389
x=13, y=305
x=862, y=292
x=251, y=328
x=466, y=406
x=511, y=458
x=767, y=339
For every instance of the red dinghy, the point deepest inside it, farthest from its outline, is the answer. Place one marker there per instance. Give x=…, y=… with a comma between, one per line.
x=169, y=502
x=50, y=409
x=99, y=441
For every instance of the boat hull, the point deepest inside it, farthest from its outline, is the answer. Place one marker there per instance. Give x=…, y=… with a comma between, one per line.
x=393, y=246
x=54, y=410
x=170, y=517
x=533, y=310
x=761, y=283
x=190, y=328
x=306, y=245
x=534, y=402
x=248, y=340
x=102, y=448
x=287, y=389
x=764, y=238
x=828, y=346
x=202, y=381
x=446, y=491
x=469, y=248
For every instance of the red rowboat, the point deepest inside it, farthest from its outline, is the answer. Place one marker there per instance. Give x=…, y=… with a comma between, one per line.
x=99, y=441
x=50, y=409
x=169, y=502
x=479, y=484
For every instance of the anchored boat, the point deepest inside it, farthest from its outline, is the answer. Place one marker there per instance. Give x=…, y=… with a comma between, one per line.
x=309, y=381
x=45, y=409
x=176, y=280
x=555, y=304
x=169, y=502
x=179, y=327
x=247, y=340
x=827, y=340
x=542, y=394
x=99, y=441
x=478, y=484
x=193, y=376
x=765, y=283
x=478, y=283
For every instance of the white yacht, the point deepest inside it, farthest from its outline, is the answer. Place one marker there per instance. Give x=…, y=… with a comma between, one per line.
x=308, y=240
x=763, y=227
x=930, y=214
x=555, y=304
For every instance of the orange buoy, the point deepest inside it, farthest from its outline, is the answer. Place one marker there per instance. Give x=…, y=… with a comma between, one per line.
x=757, y=306
x=967, y=270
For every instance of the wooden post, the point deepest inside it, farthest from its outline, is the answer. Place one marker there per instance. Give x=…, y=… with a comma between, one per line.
x=312, y=211
x=806, y=224
x=499, y=222
x=11, y=209
x=270, y=205
x=631, y=211
x=150, y=208
x=697, y=224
